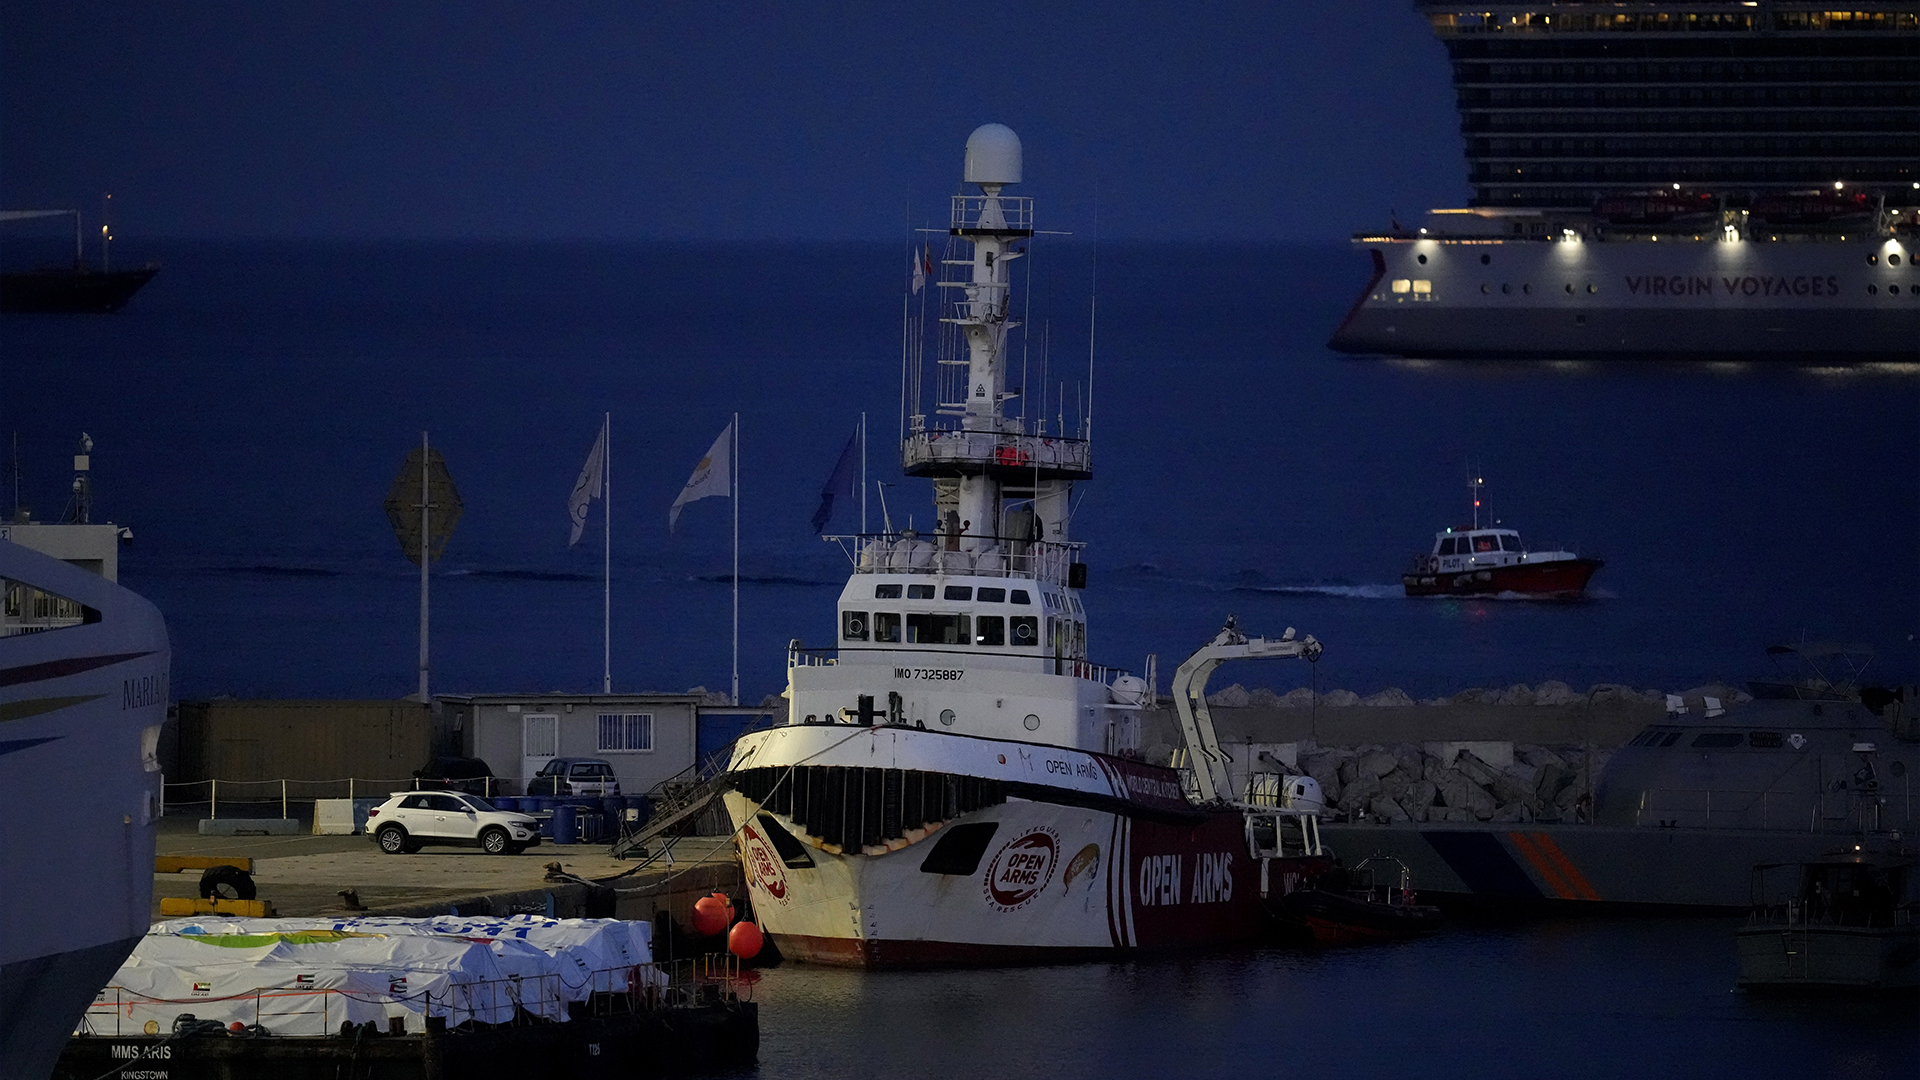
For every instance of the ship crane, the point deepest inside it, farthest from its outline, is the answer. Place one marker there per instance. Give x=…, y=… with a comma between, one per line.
x=1208, y=761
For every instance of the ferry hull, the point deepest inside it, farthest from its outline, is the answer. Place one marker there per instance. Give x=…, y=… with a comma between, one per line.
x=1055, y=884
x=1560, y=579
x=1837, y=302
x=88, y=701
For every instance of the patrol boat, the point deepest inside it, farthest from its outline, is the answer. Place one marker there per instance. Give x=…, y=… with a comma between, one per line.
x=1473, y=561
x=956, y=782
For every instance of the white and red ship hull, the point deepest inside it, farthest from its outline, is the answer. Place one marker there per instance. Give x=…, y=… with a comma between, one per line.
x=1054, y=881
x=1560, y=579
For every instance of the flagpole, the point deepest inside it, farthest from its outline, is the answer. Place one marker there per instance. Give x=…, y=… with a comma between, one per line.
x=735, y=456
x=606, y=554
x=425, y=502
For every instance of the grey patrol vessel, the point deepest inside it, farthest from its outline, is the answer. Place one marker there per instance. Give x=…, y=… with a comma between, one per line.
x=1684, y=812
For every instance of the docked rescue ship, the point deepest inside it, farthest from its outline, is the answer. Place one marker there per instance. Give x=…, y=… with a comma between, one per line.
x=955, y=782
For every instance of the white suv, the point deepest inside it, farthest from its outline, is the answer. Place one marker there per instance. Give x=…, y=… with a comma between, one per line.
x=409, y=819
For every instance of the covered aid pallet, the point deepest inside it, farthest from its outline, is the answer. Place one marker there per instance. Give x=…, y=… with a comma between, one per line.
x=308, y=976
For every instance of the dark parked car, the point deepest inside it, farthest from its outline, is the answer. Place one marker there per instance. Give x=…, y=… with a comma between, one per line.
x=575, y=776
x=470, y=775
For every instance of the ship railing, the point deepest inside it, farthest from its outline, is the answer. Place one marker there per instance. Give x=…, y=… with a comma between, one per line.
x=1732, y=808
x=513, y=1001
x=959, y=554
x=1006, y=214
x=1047, y=454
x=800, y=656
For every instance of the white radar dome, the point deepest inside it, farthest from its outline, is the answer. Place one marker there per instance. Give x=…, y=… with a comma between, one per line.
x=993, y=155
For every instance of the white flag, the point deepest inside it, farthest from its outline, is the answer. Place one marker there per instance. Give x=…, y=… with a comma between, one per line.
x=919, y=275
x=588, y=487
x=713, y=476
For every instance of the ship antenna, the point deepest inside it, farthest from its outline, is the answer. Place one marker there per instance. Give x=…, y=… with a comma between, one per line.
x=1093, y=314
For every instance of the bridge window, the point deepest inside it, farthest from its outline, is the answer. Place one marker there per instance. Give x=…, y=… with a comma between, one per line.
x=993, y=596
x=1020, y=597
x=924, y=628
x=919, y=592
x=1026, y=630
x=1509, y=543
x=886, y=626
x=959, y=592
x=1485, y=543
x=989, y=630
x=886, y=592
x=1449, y=546
x=1717, y=739
x=853, y=626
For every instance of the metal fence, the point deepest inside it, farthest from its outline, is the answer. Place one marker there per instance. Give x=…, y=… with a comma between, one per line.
x=210, y=793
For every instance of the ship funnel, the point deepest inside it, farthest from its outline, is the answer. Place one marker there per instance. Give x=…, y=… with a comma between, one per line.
x=993, y=156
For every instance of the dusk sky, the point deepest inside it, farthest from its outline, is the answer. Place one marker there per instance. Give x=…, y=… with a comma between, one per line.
x=1297, y=121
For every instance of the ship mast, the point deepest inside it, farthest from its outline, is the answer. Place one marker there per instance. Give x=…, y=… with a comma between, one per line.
x=982, y=460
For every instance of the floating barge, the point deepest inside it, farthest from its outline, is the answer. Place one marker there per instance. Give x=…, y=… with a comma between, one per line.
x=633, y=1039
x=398, y=999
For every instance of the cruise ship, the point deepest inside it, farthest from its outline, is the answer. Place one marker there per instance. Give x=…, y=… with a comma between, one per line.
x=1664, y=179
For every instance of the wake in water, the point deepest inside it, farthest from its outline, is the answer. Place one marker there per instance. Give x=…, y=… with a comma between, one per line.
x=1343, y=592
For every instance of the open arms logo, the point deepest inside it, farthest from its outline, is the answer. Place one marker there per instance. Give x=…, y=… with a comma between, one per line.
x=1021, y=869
x=763, y=864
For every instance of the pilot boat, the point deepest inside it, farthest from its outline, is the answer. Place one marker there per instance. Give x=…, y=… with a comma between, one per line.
x=1476, y=561
x=956, y=782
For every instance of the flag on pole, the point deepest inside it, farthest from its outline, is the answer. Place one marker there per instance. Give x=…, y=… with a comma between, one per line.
x=713, y=476
x=845, y=479
x=922, y=267
x=588, y=487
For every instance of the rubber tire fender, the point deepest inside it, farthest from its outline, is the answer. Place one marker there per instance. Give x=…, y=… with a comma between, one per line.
x=237, y=880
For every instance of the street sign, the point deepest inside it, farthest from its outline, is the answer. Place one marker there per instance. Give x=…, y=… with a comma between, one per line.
x=404, y=499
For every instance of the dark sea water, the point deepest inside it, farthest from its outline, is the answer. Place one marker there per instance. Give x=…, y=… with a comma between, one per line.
x=1564, y=999
x=251, y=407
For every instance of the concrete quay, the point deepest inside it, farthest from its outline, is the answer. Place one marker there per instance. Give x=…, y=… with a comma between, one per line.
x=303, y=875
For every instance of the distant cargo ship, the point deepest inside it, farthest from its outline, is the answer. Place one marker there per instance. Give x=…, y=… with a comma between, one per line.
x=1718, y=181
x=76, y=289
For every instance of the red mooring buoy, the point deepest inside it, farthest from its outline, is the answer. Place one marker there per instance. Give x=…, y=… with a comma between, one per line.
x=744, y=940
x=712, y=914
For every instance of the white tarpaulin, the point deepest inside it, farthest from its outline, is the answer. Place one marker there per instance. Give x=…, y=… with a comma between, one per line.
x=307, y=976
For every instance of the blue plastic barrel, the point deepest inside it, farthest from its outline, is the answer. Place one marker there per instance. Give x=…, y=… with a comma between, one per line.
x=566, y=824
x=508, y=803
